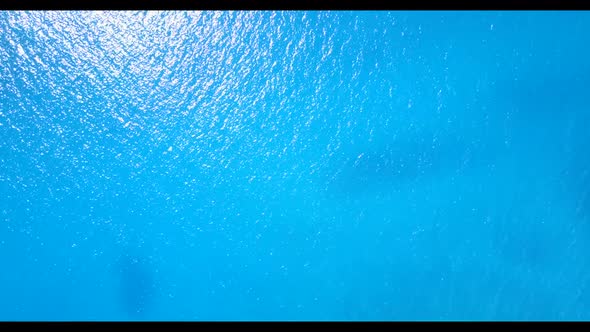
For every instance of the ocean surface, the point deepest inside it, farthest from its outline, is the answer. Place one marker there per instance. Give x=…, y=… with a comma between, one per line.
x=294, y=165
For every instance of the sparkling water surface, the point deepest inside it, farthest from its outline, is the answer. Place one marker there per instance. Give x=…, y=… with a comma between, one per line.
x=294, y=165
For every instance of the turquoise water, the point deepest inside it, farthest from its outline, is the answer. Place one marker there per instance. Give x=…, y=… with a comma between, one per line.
x=294, y=165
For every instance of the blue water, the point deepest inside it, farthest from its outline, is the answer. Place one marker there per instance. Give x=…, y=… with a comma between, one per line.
x=294, y=165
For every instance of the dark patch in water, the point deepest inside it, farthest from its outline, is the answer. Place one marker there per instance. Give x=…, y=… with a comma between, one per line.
x=137, y=285
x=551, y=112
x=403, y=164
